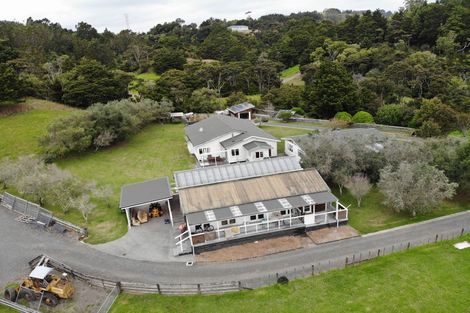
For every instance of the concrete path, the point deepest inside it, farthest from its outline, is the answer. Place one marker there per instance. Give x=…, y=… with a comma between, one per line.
x=21, y=242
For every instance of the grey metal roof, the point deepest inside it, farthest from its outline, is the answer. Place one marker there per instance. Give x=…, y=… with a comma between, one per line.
x=256, y=145
x=251, y=209
x=237, y=108
x=145, y=192
x=219, y=125
x=227, y=172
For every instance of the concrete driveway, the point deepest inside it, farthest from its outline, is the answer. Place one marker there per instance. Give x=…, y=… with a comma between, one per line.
x=153, y=241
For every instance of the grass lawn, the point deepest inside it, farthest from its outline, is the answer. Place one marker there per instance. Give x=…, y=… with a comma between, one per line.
x=148, y=76
x=281, y=132
x=156, y=151
x=290, y=71
x=431, y=278
x=20, y=132
x=374, y=216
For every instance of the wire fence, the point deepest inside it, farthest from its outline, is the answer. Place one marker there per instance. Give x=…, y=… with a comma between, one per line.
x=17, y=306
x=110, y=298
x=32, y=212
x=309, y=269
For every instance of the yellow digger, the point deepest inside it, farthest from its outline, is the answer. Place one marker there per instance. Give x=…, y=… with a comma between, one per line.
x=42, y=285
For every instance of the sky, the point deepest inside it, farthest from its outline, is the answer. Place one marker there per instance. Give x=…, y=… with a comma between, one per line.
x=144, y=14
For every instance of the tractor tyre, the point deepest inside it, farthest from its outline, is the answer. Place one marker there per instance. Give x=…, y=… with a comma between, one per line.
x=10, y=294
x=50, y=299
x=27, y=294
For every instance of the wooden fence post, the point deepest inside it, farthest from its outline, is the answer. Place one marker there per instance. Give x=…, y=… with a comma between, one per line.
x=313, y=269
x=198, y=288
x=159, y=290
x=408, y=246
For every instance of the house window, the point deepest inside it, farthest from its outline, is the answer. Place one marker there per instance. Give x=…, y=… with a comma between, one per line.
x=260, y=216
x=224, y=223
x=235, y=152
x=308, y=209
x=203, y=150
x=259, y=154
x=232, y=221
x=284, y=212
x=253, y=218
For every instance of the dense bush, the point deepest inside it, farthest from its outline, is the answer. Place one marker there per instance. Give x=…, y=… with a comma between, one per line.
x=91, y=82
x=204, y=100
x=101, y=125
x=363, y=117
x=284, y=97
x=394, y=114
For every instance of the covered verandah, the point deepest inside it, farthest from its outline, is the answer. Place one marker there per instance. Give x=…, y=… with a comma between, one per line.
x=140, y=196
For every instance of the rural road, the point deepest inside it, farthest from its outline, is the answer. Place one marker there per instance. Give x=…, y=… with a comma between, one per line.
x=22, y=242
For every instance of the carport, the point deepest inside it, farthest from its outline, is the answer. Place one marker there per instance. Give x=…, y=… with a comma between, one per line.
x=145, y=193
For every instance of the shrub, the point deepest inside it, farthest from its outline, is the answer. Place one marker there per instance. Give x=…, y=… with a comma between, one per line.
x=363, y=117
x=298, y=111
x=285, y=116
x=343, y=116
x=101, y=125
x=394, y=114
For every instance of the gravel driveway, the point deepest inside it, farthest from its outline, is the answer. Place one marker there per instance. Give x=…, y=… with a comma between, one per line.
x=21, y=242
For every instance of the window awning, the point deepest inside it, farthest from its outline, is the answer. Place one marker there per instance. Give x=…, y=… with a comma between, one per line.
x=147, y=192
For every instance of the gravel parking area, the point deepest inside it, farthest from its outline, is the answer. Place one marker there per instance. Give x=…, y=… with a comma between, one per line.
x=329, y=234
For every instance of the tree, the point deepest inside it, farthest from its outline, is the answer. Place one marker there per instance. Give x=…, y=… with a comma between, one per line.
x=416, y=188
x=167, y=58
x=204, y=100
x=435, y=112
x=84, y=205
x=8, y=172
x=333, y=156
x=331, y=90
x=358, y=185
x=284, y=97
x=91, y=82
x=285, y=116
x=10, y=84
x=236, y=98
x=363, y=117
x=394, y=114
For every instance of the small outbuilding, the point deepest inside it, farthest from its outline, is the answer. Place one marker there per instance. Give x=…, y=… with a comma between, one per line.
x=138, y=198
x=242, y=110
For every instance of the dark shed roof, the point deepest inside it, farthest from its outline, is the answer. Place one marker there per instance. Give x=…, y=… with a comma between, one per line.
x=145, y=192
x=237, y=108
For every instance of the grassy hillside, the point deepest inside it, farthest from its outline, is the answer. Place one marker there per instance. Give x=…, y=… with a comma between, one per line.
x=290, y=71
x=432, y=278
x=20, y=132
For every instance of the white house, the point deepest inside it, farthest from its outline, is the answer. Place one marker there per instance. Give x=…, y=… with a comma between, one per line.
x=225, y=139
x=239, y=28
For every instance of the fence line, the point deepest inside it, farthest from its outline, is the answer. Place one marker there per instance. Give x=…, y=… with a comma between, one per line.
x=16, y=306
x=110, y=299
x=40, y=215
x=310, y=269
